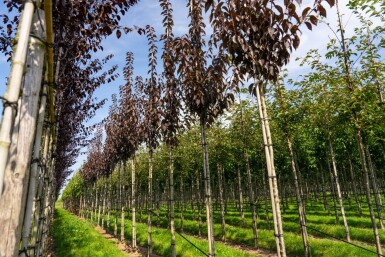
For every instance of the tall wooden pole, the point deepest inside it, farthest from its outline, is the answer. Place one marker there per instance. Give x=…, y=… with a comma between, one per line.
x=16, y=178
x=269, y=154
x=33, y=180
x=11, y=96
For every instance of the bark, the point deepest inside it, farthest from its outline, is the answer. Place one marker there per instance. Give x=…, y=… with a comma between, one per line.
x=248, y=174
x=301, y=214
x=354, y=186
x=377, y=195
x=206, y=172
x=149, y=205
x=221, y=201
x=133, y=204
x=172, y=207
x=199, y=205
x=337, y=183
x=240, y=196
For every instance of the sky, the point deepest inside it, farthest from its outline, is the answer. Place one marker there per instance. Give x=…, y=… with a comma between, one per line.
x=149, y=12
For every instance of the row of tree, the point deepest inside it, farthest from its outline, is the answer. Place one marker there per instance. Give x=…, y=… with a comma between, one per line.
x=332, y=121
x=49, y=96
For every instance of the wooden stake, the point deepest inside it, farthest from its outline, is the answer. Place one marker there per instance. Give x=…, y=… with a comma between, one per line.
x=12, y=201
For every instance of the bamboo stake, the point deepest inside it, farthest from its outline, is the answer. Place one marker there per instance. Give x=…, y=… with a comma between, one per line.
x=31, y=201
x=16, y=172
x=14, y=85
x=278, y=231
x=50, y=68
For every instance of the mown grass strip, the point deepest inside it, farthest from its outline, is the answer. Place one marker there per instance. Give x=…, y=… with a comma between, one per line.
x=323, y=247
x=77, y=238
x=161, y=239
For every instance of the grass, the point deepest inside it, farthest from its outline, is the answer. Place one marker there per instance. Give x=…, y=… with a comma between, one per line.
x=77, y=238
x=162, y=237
x=321, y=245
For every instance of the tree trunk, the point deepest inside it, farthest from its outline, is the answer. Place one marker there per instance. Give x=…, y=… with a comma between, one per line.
x=220, y=185
x=206, y=172
x=301, y=214
x=199, y=205
x=182, y=205
x=337, y=183
x=172, y=204
x=240, y=196
x=149, y=205
x=377, y=194
x=122, y=203
x=248, y=173
x=133, y=204
x=354, y=186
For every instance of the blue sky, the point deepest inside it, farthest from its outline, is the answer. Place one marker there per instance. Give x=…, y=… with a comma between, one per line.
x=149, y=12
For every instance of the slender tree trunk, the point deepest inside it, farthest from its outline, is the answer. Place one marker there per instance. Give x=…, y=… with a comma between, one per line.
x=248, y=173
x=133, y=204
x=337, y=183
x=206, y=172
x=333, y=193
x=182, y=205
x=172, y=204
x=301, y=214
x=149, y=204
x=376, y=191
x=199, y=205
x=240, y=196
x=354, y=186
x=122, y=202
x=220, y=185
x=325, y=200
x=104, y=203
x=361, y=145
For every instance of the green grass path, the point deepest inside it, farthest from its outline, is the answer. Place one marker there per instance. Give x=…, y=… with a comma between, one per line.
x=74, y=237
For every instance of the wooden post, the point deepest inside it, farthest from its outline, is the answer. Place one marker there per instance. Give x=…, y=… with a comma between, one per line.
x=12, y=201
x=14, y=86
x=269, y=154
x=31, y=201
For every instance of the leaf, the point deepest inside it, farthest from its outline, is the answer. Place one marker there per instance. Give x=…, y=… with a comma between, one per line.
x=294, y=29
x=322, y=11
x=308, y=25
x=118, y=33
x=305, y=12
x=208, y=4
x=313, y=20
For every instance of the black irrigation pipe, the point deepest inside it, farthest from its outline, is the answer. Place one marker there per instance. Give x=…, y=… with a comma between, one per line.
x=192, y=244
x=339, y=239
